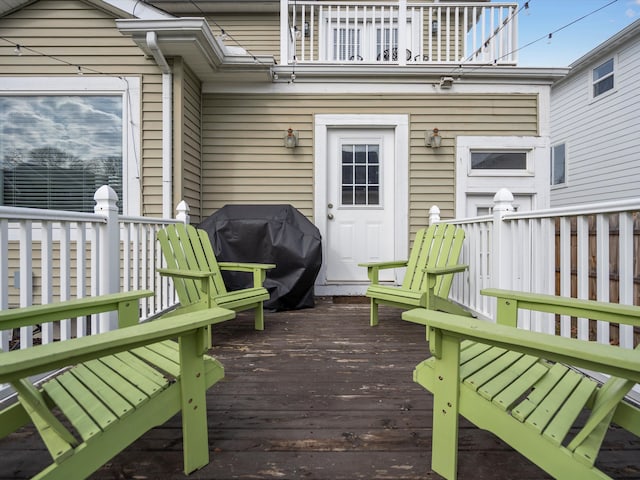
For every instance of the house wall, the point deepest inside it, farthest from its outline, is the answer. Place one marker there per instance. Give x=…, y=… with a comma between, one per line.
x=601, y=135
x=256, y=32
x=244, y=160
x=187, y=144
x=80, y=34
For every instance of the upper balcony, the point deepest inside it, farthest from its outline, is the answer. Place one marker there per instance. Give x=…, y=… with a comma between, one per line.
x=398, y=32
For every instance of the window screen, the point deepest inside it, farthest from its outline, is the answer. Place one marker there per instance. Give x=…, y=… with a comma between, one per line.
x=56, y=151
x=360, y=174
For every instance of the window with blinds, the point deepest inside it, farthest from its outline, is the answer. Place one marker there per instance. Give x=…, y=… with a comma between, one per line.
x=57, y=150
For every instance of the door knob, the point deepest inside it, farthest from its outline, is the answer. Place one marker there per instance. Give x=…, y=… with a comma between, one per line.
x=330, y=216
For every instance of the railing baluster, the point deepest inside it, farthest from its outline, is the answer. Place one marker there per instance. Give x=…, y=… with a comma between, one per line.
x=26, y=279
x=603, y=273
x=565, y=271
x=583, y=271
x=65, y=275
x=46, y=275
x=625, y=269
x=81, y=265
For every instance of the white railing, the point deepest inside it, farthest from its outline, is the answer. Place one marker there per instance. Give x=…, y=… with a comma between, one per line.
x=398, y=32
x=590, y=251
x=48, y=256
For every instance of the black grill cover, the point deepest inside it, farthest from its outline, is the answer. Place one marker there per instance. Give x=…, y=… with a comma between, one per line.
x=277, y=234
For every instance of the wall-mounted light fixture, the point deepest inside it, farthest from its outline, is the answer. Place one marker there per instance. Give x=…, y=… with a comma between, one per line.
x=307, y=30
x=446, y=83
x=291, y=138
x=432, y=139
x=434, y=27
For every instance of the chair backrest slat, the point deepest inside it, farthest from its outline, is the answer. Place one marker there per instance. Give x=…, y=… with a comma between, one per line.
x=438, y=245
x=186, y=248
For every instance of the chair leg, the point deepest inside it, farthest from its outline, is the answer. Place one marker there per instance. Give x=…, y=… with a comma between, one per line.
x=444, y=452
x=259, y=322
x=374, y=313
x=194, y=403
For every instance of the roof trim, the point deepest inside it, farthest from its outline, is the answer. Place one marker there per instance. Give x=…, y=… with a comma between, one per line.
x=132, y=8
x=193, y=40
x=624, y=35
x=413, y=74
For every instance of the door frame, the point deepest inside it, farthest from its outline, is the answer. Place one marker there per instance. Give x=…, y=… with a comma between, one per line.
x=532, y=182
x=400, y=125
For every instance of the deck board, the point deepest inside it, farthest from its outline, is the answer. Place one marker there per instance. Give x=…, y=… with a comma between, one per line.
x=317, y=395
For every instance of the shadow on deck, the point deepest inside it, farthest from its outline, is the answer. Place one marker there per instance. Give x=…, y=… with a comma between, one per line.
x=318, y=395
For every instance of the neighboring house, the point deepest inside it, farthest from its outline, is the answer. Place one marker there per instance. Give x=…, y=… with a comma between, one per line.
x=197, y=97
x=595, y=125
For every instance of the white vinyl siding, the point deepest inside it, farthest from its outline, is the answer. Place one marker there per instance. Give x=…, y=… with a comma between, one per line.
x=604, y=160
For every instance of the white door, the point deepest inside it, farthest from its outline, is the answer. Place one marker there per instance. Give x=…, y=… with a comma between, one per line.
x=360, y=202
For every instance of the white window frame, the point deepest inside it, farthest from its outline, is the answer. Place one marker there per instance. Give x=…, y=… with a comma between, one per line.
x=552, y=165
x=528, y=171
x=592, y=82
x=127, y=87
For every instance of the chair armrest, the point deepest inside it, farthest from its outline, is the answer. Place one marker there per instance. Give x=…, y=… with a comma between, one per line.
x=125, y=303
x=510, y=301
x=612, y=360
x=259, y=270
x=245, y=267
x=445, y=270
x=383, y=265
x=174, y=272
x=19, y=364
x=375, y=267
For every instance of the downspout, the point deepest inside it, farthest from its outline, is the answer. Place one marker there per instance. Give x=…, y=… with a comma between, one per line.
x=167, y=124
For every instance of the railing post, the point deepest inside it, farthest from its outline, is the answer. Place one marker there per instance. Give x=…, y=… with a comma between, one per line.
x=501, y=258
x=182, y=212
x=434, y=215
x=402, y=27
x=109, y=251
x=284, y=32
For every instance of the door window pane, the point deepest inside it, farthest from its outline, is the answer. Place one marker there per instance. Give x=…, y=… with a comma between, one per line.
x=360, y=174
x=56, y=151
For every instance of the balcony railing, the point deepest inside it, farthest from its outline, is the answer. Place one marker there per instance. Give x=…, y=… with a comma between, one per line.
x=590, y=252
x=398, y=32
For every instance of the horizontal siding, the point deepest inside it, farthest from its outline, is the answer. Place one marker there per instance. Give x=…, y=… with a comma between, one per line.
x=244, y=160
x=78, y=34
x=191, y=144
x=601, y=136
x=258, y=33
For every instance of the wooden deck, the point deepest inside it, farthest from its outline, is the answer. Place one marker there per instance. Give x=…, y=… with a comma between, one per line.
x=318, y=395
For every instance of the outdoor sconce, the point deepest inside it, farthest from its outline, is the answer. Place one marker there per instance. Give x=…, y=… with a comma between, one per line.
x=434, y=27
x=432, y=139
x=307, y=30
x=291, y=138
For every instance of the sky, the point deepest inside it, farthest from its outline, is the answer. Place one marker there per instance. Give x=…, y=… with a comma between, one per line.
x=570, y=43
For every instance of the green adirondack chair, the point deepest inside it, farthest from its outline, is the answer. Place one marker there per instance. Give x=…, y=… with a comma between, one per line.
x=432, y=263
x=197, y=276
x=525, y=387
x=120, y=384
